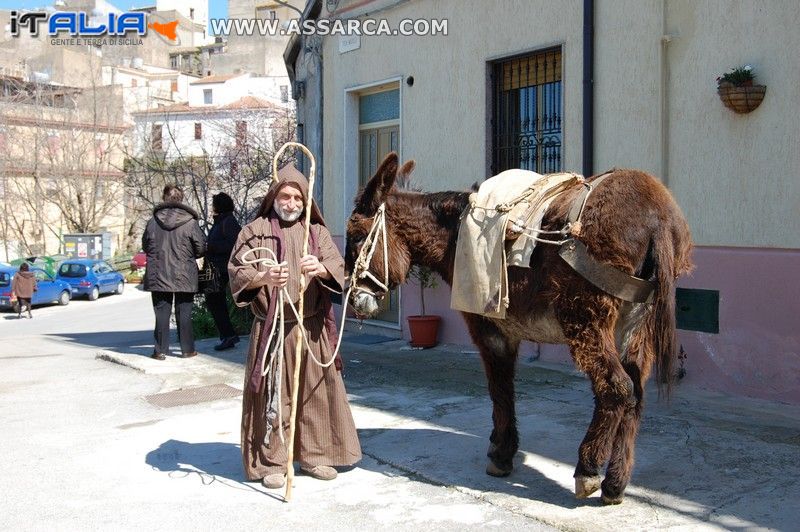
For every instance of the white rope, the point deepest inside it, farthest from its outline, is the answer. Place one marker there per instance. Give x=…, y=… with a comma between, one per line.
x=278, y=321
x=534, y=232
x=361, y=266
x=360, y=270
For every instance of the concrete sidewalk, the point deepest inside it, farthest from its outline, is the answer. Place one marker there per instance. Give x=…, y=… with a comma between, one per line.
x=704, y=460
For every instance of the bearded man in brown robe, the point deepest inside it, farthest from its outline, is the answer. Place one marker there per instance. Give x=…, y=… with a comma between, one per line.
x=325, y=432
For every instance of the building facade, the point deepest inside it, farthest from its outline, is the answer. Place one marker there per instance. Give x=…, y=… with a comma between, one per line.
x=66, y=126
x=221, y=139
x=146, y=87
x=61, y=160
x=519, y=84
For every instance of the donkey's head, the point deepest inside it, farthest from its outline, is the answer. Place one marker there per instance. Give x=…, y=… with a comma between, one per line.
x=371, y=229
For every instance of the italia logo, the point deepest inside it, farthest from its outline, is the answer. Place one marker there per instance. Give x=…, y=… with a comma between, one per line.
x=84, y=25
x=168, y=30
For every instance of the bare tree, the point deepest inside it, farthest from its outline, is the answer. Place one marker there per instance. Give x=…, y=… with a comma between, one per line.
x=62, y=147
x=238, y=161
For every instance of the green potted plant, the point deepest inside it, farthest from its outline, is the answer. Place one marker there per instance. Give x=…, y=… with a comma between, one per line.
x=424, y=328
x=738, y=91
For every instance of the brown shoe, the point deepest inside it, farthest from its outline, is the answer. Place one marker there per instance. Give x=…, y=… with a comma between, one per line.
x=189, y=355
x=320, y=472
x=158, y=356
x=274, y=481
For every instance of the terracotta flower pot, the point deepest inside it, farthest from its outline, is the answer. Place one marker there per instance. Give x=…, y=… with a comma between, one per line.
x=424, y=330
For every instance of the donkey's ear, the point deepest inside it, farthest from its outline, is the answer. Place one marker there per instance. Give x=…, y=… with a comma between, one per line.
x=404, y=174
x=378, y=186
x=387, y=173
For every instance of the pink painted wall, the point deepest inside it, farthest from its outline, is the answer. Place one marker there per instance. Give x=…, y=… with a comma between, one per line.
x=757, y=350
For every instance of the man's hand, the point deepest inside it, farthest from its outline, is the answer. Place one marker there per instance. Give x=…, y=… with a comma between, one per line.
x=312, y=267
x=277, y=276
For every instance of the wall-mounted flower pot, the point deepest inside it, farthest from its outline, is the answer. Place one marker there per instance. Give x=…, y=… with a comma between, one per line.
x=742, y=99
x=424, y=330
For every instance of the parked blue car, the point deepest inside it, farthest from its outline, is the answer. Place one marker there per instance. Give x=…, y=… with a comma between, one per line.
x=90, y=278
x=48, y=290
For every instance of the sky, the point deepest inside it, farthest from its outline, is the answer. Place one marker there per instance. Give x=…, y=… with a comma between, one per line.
x=216, y=8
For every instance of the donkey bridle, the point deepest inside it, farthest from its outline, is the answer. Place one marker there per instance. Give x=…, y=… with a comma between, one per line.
x=363, y=260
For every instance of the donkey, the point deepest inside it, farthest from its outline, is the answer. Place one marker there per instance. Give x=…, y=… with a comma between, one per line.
x=630, y=221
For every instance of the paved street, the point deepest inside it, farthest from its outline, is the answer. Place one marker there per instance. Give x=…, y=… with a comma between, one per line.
x=83, y=450
x=85, y=447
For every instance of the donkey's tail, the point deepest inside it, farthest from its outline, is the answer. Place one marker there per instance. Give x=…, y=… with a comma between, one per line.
x=671, y=247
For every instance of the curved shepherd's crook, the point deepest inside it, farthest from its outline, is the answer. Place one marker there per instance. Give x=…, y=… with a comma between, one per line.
x=299, y=346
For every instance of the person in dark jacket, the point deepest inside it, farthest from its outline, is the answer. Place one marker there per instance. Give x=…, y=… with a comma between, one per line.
x=221, y=240
x=172, y=241
x=22, y=287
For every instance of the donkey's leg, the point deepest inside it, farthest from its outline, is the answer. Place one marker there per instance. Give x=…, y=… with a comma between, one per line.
x=620, y=465
x=499, y=355
x=595, y=448
x=589, y=327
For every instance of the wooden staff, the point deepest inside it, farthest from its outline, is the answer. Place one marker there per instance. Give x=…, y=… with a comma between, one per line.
x=298, y=353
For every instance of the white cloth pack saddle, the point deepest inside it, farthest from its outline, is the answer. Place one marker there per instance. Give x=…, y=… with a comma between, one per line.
x=498, y=230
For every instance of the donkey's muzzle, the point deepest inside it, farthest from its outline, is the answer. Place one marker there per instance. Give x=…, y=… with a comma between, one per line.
x=365, y=304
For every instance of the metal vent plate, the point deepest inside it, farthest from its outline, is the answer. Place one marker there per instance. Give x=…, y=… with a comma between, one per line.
x=191, y=396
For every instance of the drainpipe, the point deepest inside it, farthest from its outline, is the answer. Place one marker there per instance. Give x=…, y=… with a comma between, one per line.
x=665, y=40
x=588, y=87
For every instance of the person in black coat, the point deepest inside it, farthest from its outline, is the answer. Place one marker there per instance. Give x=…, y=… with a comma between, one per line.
x=172, y=241
x=221, y=240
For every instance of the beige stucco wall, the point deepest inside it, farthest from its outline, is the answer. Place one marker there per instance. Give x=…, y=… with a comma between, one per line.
x=444, y=113
x=735, y=176
x=627, y=85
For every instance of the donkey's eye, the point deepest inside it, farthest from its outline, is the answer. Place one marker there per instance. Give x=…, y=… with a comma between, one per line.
x=353, y=248
x=357, y=249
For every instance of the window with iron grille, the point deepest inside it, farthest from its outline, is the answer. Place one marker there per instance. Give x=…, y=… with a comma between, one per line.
x=198, y=131
x=527, y=112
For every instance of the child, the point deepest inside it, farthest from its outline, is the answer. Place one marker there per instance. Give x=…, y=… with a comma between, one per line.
x=22, y=287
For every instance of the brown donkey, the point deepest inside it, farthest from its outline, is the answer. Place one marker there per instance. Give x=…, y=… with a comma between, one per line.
x=630, y=222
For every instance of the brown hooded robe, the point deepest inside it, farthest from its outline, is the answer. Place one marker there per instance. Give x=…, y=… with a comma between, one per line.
x=325, y=433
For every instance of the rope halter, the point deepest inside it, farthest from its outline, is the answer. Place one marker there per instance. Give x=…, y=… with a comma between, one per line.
x=361, y=267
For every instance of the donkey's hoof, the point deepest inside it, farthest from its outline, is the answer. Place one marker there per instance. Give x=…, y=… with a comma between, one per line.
x=495, y=471
x=491, y=450
x=612, y=500
x=585, y=486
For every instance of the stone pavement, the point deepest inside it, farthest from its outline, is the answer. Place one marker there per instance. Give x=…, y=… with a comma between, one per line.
x=704, y=460
x=91, y=445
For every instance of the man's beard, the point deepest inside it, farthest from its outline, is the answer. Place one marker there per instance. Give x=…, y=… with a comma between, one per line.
x=286, y=216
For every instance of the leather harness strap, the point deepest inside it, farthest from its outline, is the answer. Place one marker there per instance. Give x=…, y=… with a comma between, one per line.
x=605, y=277
x=575, y=213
